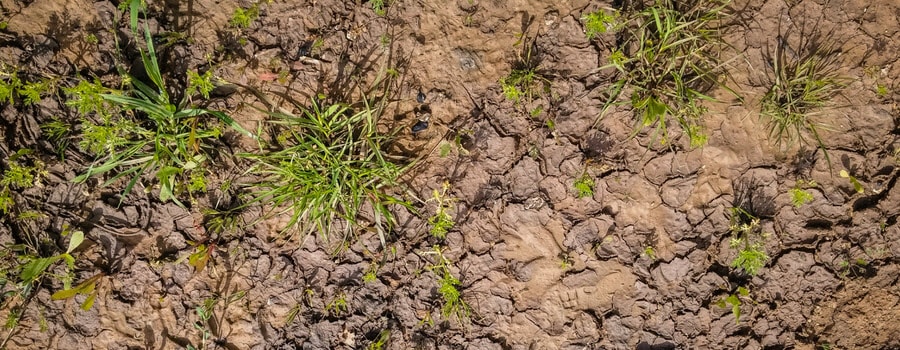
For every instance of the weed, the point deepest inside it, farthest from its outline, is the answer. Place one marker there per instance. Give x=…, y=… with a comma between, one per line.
x=220, y=221
x=241, y=18
x=371, y=274
x=565, y=261
x=327, y=164
x=801, y=85
x=9, y=84
x=202, y=83
x=600, y=21
x=19, y=176
x=857, y=186
x=584, y=185
x=799, y=194
x=201, y=255
x=448, y=287
x=650, y=253
x=745, y=238
x=337, y=306
x=734, y=301
x=88, y=287
x=87, y=97
x=58, y=132
x=382, y=340
x=667, y=59
x=441, y=222
x=379, y=7
x=526, y=80
x=173, y=144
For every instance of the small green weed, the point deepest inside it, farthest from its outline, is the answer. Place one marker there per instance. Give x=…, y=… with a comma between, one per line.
x=382, y=340
x=650, y=253
x=584, y=185
x=666, y=62
x=171, y=147
x=526, y=80
x=734, y=302
x=242, y=18
x=379, y=6
x=337, y=306
x=857, y=186
x=799, y=194
x=601, y=21
x=745, y=232
x=371, y=274
x=19, y=176
x=202, y=83
x=441, y=222
x=448, y=287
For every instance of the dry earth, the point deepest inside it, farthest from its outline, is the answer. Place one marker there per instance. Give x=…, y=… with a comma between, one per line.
x=540, y=267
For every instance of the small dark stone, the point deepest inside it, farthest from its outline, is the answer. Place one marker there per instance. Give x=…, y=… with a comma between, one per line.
x=421, y=125
x=420, y=97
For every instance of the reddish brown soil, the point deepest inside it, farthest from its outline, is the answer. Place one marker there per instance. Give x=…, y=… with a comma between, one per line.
x=518, y=216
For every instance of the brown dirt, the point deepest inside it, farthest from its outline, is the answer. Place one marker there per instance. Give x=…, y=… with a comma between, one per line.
x=832, y=279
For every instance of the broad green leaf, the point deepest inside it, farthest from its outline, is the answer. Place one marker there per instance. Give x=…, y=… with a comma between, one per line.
x=34, y=268
x=75, y=241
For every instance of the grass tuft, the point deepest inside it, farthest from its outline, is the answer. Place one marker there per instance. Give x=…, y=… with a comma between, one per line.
x=327, y=164
x=666, y=59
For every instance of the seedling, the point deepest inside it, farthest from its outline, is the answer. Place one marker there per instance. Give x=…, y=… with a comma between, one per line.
x=448, y=287
x=734, y=302
x=857, y=186
x=337, y=306
x=666, y=62
x=526, y=80
x=441, y=222
x=745, y=232
x=584, y=185
x=601, y=21
x=799, y=194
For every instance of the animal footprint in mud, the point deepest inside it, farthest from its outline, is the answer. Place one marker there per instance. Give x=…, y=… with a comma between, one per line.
x=569, y=298
x=579, y=298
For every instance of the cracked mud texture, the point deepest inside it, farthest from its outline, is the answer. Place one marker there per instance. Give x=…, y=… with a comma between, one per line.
x=642, y=263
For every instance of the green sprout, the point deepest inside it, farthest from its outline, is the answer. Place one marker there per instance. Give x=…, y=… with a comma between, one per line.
x=584, y=186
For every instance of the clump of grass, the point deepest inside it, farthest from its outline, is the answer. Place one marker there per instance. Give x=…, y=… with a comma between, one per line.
x=801, y=86
x=326, y=164
x=667, y=60
x=171, y=143
x=526, y=80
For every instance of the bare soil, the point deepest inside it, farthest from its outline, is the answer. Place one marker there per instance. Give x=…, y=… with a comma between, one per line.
x=540, y=267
